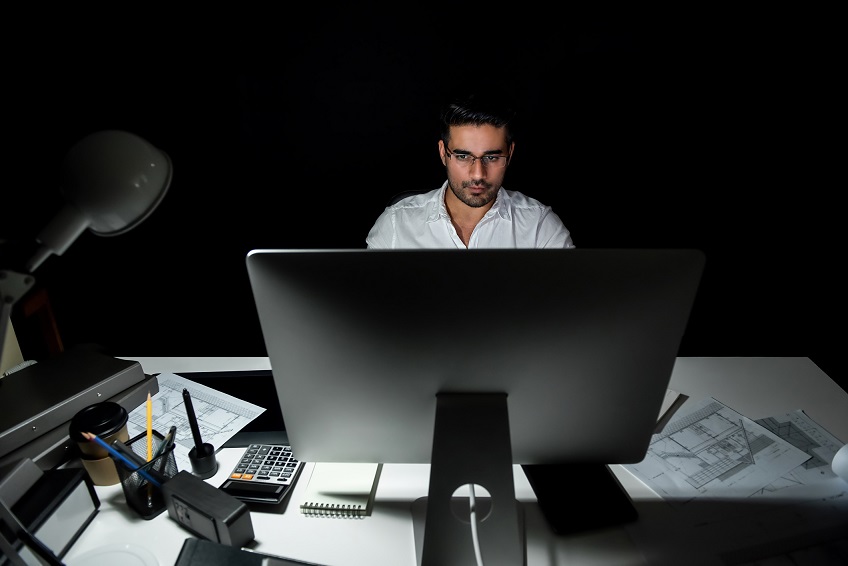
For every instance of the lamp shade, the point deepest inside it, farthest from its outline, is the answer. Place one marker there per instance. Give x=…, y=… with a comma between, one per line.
x=111, y=181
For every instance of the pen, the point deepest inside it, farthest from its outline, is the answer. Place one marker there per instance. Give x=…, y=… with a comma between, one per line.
x=192, y=421
x=121, y=458
x=164, y=447
x=166, y=442
x=202, y=456
x=128, y=453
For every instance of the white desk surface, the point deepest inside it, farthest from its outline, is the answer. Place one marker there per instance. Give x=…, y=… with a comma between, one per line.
x=754, y=386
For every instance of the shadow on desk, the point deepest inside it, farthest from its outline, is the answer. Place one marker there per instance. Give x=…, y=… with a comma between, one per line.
x=743, y=531
x=284, y=506
x=718, y=532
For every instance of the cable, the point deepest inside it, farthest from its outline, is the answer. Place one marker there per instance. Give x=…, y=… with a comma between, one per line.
x=472, y=516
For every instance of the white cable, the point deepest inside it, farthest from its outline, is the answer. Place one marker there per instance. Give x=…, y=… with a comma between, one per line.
x=472, y=516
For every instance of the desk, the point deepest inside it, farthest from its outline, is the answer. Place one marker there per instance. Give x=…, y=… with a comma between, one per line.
x=756, y=387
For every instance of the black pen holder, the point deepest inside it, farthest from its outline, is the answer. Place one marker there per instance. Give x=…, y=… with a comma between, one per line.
x=142, y=495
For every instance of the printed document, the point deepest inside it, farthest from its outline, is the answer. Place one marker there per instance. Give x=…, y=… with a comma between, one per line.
x=219, y=416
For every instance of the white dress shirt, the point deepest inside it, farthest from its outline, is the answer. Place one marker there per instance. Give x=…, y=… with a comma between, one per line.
x=514, y=221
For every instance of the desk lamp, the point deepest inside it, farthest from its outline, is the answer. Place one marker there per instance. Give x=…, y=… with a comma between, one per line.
x=111, y=181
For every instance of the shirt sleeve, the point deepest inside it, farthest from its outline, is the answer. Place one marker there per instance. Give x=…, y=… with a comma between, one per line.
x=553, y=233
x=381, y=233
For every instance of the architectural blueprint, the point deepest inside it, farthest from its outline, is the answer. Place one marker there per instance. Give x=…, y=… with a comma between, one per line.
x=219, y=416
x=736, y=491
x=798, y=429
x=713, y=451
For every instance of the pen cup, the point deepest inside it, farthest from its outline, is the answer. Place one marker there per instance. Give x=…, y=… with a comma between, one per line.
x=142, y=496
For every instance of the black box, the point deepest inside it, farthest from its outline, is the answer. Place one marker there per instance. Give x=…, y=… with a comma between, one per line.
x=207, y=511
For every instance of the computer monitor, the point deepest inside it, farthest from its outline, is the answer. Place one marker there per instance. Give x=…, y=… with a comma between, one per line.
x=473, y=360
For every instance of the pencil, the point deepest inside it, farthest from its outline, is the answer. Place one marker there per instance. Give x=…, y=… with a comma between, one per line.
x=149, y=428
x=149, y=445
x=120, y=458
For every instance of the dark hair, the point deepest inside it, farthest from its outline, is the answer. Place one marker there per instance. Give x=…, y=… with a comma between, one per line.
x=477, y=110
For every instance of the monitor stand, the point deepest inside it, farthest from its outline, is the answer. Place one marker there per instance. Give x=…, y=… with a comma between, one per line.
x=471, y=446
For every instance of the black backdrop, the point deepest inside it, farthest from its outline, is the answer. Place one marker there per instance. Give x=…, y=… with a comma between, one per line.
x=639, y=134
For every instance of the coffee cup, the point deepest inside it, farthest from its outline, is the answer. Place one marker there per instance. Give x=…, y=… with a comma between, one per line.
x=108, y=421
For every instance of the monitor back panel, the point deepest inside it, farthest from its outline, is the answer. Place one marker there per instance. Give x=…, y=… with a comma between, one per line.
x=582, y=341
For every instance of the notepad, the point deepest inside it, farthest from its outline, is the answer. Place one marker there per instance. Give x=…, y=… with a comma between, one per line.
x=341, y=489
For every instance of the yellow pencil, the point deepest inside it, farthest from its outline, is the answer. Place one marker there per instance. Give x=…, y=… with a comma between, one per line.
x=149, y=446
x=149, y=428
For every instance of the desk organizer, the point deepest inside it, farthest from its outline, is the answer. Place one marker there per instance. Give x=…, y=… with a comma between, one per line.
x=142, y=496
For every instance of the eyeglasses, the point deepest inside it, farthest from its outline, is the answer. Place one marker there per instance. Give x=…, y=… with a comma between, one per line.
x=468, y=160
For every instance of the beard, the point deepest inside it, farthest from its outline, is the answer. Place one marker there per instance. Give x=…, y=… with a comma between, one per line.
x=463, y=191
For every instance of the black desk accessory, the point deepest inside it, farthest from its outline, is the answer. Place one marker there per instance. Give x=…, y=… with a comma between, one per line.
x=207, y=511
x=204, y=464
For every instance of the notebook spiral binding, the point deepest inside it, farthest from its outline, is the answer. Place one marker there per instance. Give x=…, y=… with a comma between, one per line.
x=332, y=510
x=341, y=489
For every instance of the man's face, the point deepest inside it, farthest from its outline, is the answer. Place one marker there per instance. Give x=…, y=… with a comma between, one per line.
x=474, y=181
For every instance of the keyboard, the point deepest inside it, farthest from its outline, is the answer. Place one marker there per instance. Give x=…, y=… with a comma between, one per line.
x=265, y=473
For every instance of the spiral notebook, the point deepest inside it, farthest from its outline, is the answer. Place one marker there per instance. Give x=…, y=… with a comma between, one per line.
x=341, y=489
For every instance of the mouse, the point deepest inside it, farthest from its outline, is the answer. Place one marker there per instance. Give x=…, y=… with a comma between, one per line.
x=840, y=462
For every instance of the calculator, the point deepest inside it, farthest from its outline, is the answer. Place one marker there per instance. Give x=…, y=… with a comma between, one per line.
x=265, y=473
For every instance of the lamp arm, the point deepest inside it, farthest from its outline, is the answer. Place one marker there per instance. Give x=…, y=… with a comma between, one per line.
x=58, y=235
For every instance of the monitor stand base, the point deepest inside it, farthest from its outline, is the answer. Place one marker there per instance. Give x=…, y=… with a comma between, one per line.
x=419, y=514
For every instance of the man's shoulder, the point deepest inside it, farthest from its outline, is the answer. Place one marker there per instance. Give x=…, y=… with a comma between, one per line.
x=412, y=199
x=517, y=200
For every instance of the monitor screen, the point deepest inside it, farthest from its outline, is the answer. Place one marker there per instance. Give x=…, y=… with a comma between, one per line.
x=558, y=356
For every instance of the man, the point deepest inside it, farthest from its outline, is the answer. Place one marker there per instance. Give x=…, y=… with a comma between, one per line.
x=471, y=209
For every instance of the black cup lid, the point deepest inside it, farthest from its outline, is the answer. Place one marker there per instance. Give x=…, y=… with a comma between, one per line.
x=101, y=419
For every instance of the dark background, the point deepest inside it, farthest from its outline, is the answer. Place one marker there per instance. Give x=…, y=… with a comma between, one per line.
x=704, y=132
